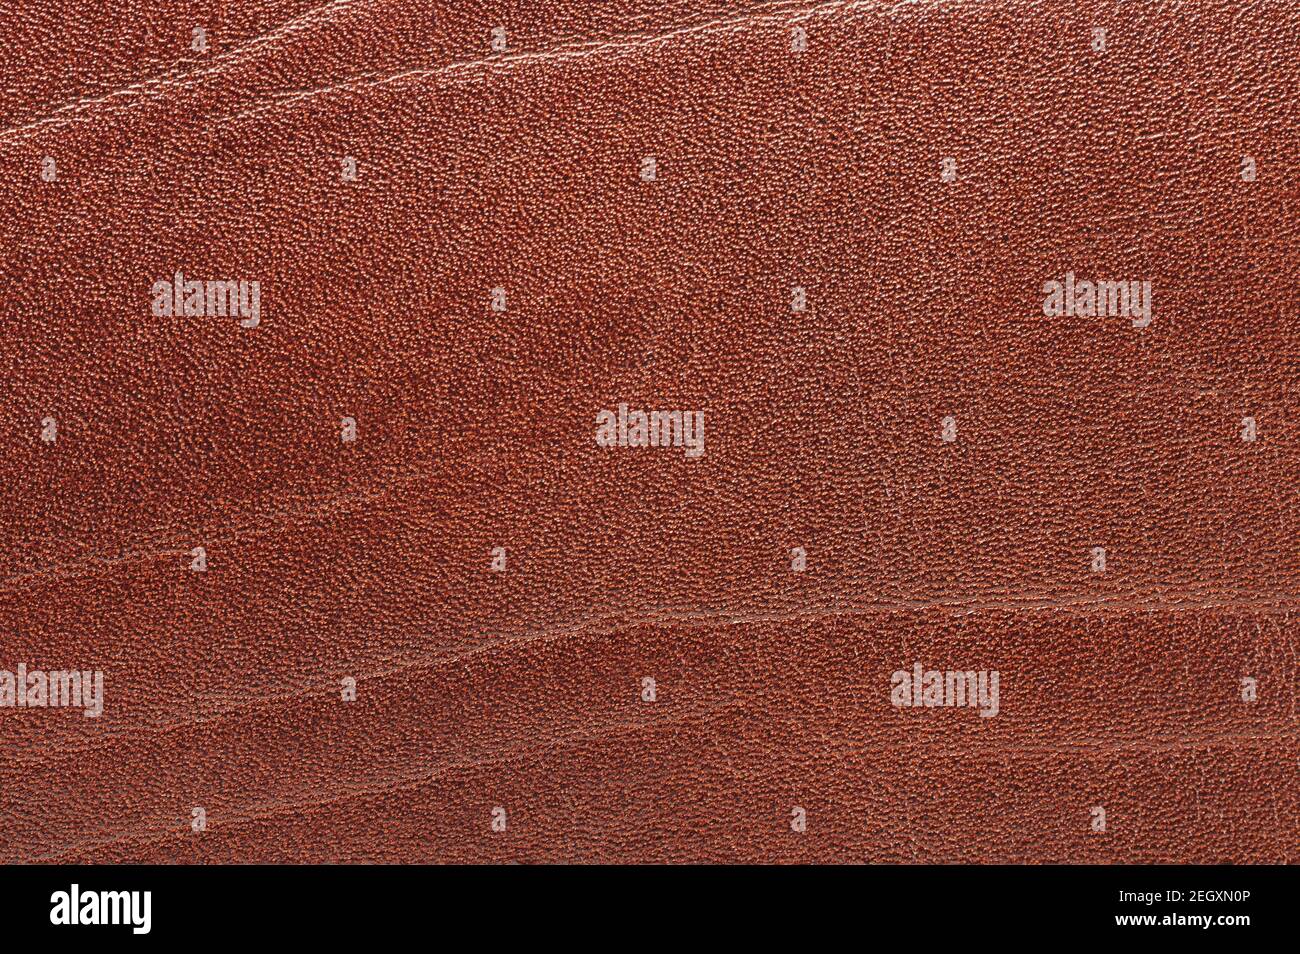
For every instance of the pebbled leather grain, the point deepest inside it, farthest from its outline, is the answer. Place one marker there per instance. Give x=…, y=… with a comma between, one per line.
x=776, y=169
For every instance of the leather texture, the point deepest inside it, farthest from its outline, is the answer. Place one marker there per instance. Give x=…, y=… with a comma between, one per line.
x=522, y=170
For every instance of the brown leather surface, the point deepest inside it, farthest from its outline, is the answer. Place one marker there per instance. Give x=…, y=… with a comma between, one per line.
x=521, y=170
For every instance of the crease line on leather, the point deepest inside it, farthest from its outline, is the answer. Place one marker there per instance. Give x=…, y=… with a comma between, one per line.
x=158, y=86
x=598, y=627
x=252, y=526
x=175, y=78
x=258, y=525
x=416, y=779
x=884, y=462
x=249, y=526
x=412, y=779
x=766, y=13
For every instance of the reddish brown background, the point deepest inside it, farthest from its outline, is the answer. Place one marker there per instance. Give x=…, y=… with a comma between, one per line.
x=776, y=169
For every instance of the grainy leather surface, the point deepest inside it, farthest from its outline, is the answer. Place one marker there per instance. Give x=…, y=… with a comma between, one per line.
x=776, y=168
